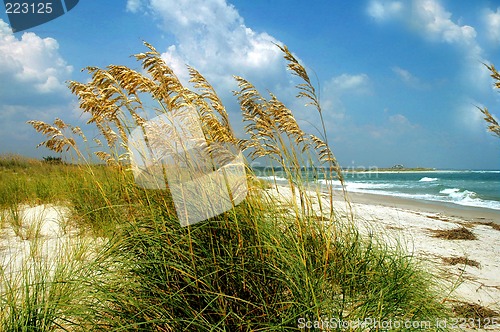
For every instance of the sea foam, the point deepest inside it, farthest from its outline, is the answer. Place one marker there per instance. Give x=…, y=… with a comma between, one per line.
x=426, y=179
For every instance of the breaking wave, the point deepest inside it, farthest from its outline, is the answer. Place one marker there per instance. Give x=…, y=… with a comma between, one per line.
x=426, y=179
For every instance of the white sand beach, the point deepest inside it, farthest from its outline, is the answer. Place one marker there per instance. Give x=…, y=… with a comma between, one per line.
x=416, y=228
x=469, y=269
x=32, y=231
x=40, y=237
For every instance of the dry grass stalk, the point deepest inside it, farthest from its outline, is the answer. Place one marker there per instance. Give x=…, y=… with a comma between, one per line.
x=57, y=141
x=495, y=75
x=259, y=124
x=106, y=157
x=307, y=91
x=494, y=126
x=211, y=99
x=113, y=100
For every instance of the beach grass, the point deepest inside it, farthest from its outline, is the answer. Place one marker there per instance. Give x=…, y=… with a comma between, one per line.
x=255, y=267
x=263, y=265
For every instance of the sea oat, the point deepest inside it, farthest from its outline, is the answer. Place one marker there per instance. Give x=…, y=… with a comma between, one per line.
x=57, y=141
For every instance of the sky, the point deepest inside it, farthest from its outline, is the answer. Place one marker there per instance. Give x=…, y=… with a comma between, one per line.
x=399, y=81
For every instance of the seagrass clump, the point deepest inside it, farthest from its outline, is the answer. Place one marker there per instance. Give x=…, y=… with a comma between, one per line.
x=118, y=99
x=259, y=266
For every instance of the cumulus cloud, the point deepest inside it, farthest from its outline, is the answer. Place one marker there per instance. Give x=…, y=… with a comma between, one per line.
x=340, y=88
x=469, y=117
x=30, y=63
x=384, y=10
x=401, y=122
x=433, y=22
x=408, y=78
x=404, y=74
x=134, y=5
x=212, y=37
x=348, y=83
x=431, y=19
x=32, y=76
x=436, y=23
x=492, y=20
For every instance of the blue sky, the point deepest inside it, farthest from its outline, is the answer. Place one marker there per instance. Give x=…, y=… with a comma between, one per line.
x=399, y=80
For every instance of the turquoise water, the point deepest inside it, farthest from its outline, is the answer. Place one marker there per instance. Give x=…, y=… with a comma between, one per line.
x=468, y=188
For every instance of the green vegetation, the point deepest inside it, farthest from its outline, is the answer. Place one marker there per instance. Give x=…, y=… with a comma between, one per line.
x=256, y=267
x=265, y=264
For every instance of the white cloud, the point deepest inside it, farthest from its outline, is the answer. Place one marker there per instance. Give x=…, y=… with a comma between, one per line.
x=408, y=78
x=347, y=83
x=383, y=10
x=401, y=122
x=31, y=63
x=436, y=24
x=338, y=89
x=470, y=118
x=134, y=5
x=433, y=22
x=431, y=19
x=212, y=37
x=393, y=128
x=492, y=20
x=403, y=74
x=32, y=76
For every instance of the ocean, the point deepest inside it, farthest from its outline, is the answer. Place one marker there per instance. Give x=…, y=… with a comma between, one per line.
x=467, y=188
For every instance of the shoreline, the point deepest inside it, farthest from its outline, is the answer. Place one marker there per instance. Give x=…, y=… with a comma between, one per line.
x=469, y=213
x=374, y=169
x=456, y=201
x=413, y=224
x=383, y=170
